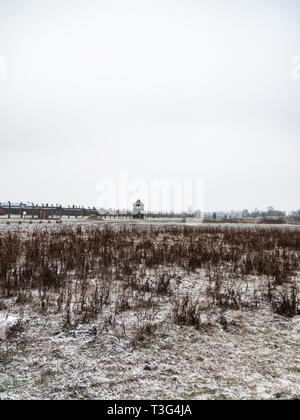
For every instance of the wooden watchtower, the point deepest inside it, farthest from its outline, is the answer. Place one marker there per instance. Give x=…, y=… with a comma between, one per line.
x=138, y=210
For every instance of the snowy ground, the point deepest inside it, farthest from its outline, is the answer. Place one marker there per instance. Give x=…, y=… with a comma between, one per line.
x=257, y=357
x=252, y=355
x=29, y=224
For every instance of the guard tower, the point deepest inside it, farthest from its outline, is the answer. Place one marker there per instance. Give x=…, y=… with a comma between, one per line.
x=138, y=210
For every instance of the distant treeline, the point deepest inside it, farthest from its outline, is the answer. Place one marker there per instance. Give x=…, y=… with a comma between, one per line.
x=244, y=214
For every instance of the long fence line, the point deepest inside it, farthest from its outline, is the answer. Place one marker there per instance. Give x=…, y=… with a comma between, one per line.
x=57, y=212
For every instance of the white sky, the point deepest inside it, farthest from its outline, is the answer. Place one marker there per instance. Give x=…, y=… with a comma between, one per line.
x=160, y=89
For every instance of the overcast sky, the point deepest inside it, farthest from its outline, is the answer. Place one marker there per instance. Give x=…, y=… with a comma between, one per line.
x=160, y=89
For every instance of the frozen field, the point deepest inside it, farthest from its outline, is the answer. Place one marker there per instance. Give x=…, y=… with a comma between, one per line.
x=149, y=311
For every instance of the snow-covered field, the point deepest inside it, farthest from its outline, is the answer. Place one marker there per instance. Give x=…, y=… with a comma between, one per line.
x=135, y=347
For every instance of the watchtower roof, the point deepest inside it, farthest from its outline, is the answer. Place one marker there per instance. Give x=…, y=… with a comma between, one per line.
x=138, y=203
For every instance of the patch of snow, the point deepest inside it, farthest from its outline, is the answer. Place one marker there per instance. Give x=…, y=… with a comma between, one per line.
x=6, y=323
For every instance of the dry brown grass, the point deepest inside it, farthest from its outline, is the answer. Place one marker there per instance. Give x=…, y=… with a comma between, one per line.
x=82, y=272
